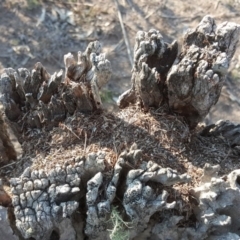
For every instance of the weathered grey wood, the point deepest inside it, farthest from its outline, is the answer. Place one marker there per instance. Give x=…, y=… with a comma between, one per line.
x=17, y=86
x=193, y=84
x=8, y=97
x=195, y=81
x=46, y=113
x=51, y=87
x=230, y=131
x=152, y=60
x=57, y=109
x=44, y=199
x=82, y=95
x=92, y=69
x=76, y=71
x=40, y=99
x=190, y=87
x=38, y=77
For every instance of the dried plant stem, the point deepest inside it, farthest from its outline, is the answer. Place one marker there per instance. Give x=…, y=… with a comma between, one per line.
x=85, y=142
x=70, y=130
x=124, y=33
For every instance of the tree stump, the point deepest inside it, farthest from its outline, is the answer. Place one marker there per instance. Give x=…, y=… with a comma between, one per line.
x=195, y=81
x=39, y=99
x=190, y=86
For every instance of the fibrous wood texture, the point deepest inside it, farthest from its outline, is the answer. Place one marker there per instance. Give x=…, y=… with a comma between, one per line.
x=195, y=82
x=190, y=86
x=152, y=60
x=190, y=83
x=92, y=164
x=10, y=149
x=38, y=99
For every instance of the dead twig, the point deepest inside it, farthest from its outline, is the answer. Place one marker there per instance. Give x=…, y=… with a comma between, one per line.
x=124, y=33
x=13, y=163
x=70, y=130
x=150, y=14
x=8, y=165
x=216, y=5
x=85, y=142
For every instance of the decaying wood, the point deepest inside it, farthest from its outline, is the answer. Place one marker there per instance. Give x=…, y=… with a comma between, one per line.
x=36, y=99
x=130, y=169
x=5, y=199
x=10, y=149
x=226, y=129
x=193, y=84
x=190, y=86
x=152, y=60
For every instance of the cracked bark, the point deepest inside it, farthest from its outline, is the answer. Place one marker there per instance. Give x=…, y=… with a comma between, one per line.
x=39, y=99
x=190, y=86
x=195, y=82
x=152, y=60
x=41, y=200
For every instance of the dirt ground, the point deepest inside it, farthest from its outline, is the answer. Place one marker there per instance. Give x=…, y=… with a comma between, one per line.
x=38, y=30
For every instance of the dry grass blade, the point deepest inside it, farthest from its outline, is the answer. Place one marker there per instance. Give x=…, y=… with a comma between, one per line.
x=8, y=165
x=124, y=33
x=70, y=130
x=85, y=142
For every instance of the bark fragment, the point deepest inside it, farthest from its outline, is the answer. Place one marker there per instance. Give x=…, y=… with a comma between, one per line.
x=43, y=199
